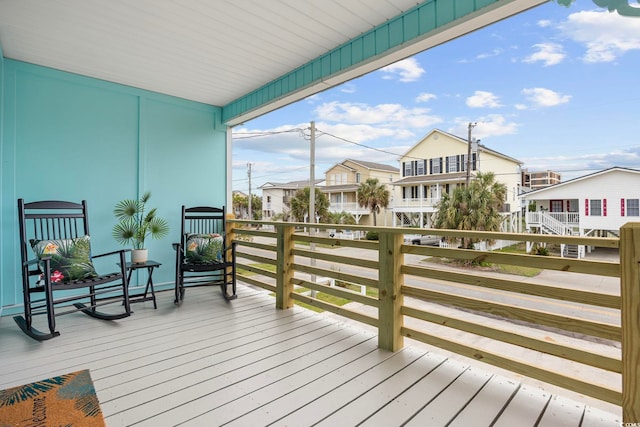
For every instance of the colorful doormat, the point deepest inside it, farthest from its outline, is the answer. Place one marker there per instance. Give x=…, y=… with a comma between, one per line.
x=67, y=400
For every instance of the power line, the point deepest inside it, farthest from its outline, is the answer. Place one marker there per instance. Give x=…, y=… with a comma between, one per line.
x=272, y=174
x=261, y=134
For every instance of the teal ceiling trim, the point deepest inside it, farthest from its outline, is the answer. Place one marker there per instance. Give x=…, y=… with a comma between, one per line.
x=414, y=24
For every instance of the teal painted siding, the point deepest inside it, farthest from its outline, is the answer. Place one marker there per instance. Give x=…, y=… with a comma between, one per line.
x=409, y=26
x=70, y=137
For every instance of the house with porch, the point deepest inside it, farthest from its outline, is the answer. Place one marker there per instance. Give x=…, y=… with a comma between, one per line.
x=276, y=197
x=597, y=204
x=436, y=165
x=341, y=186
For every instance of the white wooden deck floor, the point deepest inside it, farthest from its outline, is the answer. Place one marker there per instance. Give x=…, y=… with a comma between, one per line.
x=245, y=363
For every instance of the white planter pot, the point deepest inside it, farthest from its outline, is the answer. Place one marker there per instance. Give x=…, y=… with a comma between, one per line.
x=139, y=256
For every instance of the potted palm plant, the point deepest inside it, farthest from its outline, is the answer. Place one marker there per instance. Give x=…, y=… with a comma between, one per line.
x=135, y=225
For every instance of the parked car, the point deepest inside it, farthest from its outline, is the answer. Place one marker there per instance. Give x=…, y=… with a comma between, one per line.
x=425, y=240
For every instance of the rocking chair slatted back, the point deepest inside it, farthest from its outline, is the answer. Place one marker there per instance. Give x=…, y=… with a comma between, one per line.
x=203, y=220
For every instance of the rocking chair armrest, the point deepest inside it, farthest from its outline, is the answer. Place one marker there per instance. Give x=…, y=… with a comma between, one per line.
x=111, y=253
x=231, y=247
x=35, y=261
x=176, y=246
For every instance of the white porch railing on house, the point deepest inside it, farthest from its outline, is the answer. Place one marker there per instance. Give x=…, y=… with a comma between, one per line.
x=420, y=203
x=387, y=274
x=567, y=219
x=350, y=207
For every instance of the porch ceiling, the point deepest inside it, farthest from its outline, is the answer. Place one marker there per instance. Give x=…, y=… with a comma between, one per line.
x=213, y=52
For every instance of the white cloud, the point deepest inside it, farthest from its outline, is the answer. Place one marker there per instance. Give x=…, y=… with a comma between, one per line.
x=574, y=165
x=543, y=23
x=490, y=125
x=494, y=52
x=542, y=97
x=606, y=36
x=348, y=88
x=483, y=99
x=383, y=115
x=521, y=107
x=547, y=53
x=425, y=97
x=407, y=70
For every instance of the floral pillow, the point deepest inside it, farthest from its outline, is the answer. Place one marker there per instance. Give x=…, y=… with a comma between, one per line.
x=204, y=249
x=70, y=258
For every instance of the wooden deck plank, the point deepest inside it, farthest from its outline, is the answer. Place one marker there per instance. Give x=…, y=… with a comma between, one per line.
x=525, y=409
x=222, y=356
x=325, y=405
x=179, y=393
x=594, y=417
x=284, y=406
x=562, y=412
x=445, y=407
x=488, y=404
x=360, y=409
x=266, y=388
x=235, y=391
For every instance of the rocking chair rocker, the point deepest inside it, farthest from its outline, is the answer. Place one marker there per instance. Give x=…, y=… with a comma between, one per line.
x=58, y=233
x=202, y=259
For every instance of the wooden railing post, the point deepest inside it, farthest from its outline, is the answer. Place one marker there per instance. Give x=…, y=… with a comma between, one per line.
x=229, y=226
x=284, y=263
x=390, y=279
x=630, y=294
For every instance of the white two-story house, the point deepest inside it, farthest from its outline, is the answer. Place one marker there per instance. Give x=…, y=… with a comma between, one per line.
x=436, y=165
x=276, y=197
x=597, y=204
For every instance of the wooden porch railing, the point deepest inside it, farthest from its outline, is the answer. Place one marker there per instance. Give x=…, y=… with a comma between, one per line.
x=380, y=266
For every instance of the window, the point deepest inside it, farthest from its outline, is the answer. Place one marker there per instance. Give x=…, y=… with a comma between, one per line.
x=436, y=165
x=407, y=169
x=452, y=164
x=595, y=207
x=633, y=207
x=268, y=199
x=420, y=167
x=358, y=177
x=556, y=206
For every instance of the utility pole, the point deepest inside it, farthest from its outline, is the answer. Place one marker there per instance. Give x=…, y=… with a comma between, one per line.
x=312, y=175
x=471, y=126
x=312, y=196
x=249, y=175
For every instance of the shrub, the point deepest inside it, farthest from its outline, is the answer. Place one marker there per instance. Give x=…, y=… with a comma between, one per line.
x=372, y=235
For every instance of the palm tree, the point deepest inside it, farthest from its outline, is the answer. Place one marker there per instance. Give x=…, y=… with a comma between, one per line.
x=341, y=218
x=374, y=196
x=476, y=207
x=300, y=205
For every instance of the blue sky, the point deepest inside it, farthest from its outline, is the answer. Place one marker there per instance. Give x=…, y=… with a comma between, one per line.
x=555, y=87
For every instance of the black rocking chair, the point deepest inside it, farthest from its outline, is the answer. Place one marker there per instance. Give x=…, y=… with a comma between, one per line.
x=58, y=235
x=202, y=258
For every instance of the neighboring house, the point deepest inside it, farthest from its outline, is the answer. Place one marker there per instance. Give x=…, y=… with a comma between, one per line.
x=240, y=212
x=276, y=197
x=537, y=180
x=597, y=204
x=436, y=165
x=341, y=187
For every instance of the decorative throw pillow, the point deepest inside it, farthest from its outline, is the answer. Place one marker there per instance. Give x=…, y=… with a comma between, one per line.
x=70, y=258
x=204, y=248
